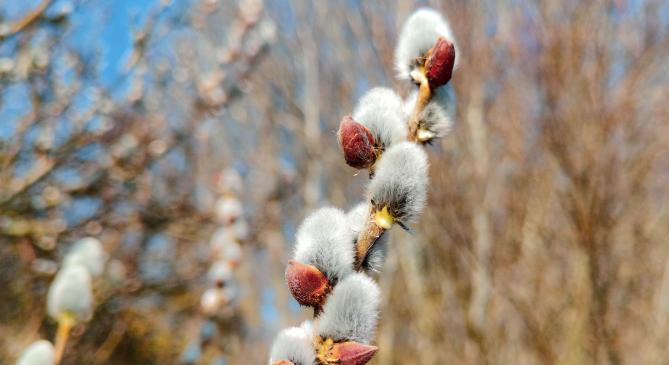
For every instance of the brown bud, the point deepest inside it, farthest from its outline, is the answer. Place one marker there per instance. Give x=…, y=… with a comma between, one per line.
x=283, y=362
x=440, y=63
x=353, y=353
x=308, y=285
x=357, y=142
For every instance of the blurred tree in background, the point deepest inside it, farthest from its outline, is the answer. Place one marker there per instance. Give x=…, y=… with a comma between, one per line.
x=546, y=239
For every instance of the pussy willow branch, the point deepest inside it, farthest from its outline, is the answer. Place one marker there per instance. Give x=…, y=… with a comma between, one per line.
x=65, y=324
x=366, y=239
x=371, y=231
x=424, y=96
x=27, y=19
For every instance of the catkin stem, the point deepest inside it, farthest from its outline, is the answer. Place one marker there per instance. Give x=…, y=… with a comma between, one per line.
x=424, y=96
x=368, y=235
x=65, y=324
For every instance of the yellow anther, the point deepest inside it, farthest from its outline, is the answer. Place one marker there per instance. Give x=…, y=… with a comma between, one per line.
x=383, y=219
x=425, y=135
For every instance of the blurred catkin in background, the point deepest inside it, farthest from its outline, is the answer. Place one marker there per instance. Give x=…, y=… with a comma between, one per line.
x=545, y=240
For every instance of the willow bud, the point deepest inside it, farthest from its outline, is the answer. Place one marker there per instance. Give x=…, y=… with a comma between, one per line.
x=440, y=62
x=357, y=142
x=353, y=353
x=308, y=285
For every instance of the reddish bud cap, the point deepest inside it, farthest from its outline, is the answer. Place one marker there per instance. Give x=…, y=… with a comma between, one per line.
x=283, y=362
x=357, y=142
x=440, y=63
x=353, y=353
x=308, y=285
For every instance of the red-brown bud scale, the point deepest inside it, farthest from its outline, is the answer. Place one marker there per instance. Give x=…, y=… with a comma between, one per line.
x=308, y=285
x=357, y=142
x=440, y=63
x=353, y=353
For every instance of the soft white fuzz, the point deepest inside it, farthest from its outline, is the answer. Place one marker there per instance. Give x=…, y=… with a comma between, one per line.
x=294, y=344
x=211, y=301
x=401, y=181
x=419, y=34
x=220, y=272
x=438, y=117
x=228, y=209
x=39, y=353
x=357, y=218
x=308, y=328
x=89, y=253
x=224, y=246
x=376, y=256
x=351, y=310
x=381, y=111
x=71, y=293
x=324, y=241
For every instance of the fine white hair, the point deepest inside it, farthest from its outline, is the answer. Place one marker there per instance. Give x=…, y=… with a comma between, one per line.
x=401, y=181
x=419, y=34
x=324, y=241
x=351, y=311
x=357, y=218
x=88, y=252
x=71, y=293
x=438, y=117
x=381, y=111
x=41, y=352
x=294, y=344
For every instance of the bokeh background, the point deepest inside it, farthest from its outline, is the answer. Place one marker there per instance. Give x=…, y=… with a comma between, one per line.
x=545, y=239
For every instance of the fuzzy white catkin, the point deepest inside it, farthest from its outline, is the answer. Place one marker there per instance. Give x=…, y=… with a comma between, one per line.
x=220, y=272
x=438, y=117
x=88, y=252
x=419, y=34
x=294, y=344
x=381, y=111
x=324, y=241
x=228, y=209
x=213, y=299
x=224, y=246
x=357, y=218
x=351, y=311
x=71, y=293
x=401, y=181
x=39, y=353
x=221, y=237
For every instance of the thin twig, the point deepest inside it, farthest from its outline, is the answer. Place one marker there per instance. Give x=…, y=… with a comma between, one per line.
x=366, y=239
x=65, y=324
x=28, y=19
x=424, y=96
